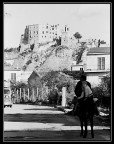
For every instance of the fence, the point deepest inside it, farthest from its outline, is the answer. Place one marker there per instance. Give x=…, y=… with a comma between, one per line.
x=26, y=94
x=32, y=95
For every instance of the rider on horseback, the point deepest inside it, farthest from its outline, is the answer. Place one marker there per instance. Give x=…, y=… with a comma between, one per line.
x=86, y=95
x=86, y=104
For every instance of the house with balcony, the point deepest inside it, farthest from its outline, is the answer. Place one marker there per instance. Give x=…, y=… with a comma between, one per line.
x=97, y=64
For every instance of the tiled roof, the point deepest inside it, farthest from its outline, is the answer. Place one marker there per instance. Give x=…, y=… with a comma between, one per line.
x=97, y=50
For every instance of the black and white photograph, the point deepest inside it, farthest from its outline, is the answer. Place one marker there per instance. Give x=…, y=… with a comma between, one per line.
x=57, y=72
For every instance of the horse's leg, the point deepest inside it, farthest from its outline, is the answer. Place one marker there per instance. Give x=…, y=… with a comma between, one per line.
x=85, y=124
x=91, y=121
x=81, y=122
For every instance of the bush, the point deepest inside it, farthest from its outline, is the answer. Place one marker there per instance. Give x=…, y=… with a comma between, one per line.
x=53, y=97
x=103, y=92
x=28, y=62
x=55, y=79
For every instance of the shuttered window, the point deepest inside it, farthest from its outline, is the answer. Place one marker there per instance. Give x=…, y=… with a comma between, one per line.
x=101, y=63
x=13, y=77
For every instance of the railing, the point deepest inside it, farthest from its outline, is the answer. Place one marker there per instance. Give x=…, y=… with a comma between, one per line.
x=26, y=95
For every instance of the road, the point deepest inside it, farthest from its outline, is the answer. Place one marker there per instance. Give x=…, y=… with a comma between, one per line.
x=45, y=123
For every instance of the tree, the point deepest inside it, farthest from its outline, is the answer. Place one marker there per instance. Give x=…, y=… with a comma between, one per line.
x=103, y=91
x=58, y=41
x=32, y=46
x=78, y=36
x=18, y=48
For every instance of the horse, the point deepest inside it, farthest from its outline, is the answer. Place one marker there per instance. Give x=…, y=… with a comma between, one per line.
x=84, y=109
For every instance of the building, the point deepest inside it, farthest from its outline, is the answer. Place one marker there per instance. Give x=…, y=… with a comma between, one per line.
x=97, y=64
x=65, y=36
x=13, y=70
x=77, y=67
x=38, y=33
x=12, y=75
x=16, y=75
x=34, y=79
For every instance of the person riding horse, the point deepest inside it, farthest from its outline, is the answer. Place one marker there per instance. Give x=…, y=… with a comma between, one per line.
x=83, y=91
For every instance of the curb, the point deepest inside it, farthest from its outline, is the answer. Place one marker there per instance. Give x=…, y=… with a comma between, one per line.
x=61, y=108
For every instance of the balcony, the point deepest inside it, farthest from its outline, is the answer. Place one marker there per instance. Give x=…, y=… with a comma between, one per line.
x=93, y=68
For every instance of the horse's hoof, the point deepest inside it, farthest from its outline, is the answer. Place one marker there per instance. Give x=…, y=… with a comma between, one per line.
x=92, y=135
x=81, y=134
x=85, y=135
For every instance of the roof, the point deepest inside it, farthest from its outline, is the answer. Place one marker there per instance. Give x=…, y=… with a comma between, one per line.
x=99, y=50
x=97, y=71
x=11, y=69
x=11, y=58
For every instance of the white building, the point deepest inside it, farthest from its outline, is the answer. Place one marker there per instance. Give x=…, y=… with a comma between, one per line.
x=16, y=75
x=97, y=64
x=11, y=74
x=39, y=33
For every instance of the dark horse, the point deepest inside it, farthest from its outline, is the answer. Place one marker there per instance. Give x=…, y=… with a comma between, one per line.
x=85, y=108
x=85, y=113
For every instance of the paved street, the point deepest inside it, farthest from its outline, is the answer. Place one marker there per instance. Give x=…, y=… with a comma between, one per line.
x=45, y=123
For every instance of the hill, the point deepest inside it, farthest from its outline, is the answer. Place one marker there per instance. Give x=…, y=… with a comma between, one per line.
x=43, y=60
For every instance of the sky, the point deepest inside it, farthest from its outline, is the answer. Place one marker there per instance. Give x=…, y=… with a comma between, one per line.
x=90, y=20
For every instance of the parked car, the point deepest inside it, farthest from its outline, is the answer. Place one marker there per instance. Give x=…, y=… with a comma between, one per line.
x=7, y=97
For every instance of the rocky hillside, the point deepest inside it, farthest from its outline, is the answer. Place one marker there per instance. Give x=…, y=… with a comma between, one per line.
x=49, y=58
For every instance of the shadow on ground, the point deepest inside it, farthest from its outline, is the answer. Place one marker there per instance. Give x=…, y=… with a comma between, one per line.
x=48, y=118
x=42, y=109
x=39, y=118
x=47, y=135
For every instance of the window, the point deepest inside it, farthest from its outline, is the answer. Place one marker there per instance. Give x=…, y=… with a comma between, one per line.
x=81, y=69
x=47, y=27
x=101, y=63
x=42, y=32
x=13, y=76
x=6, y=91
